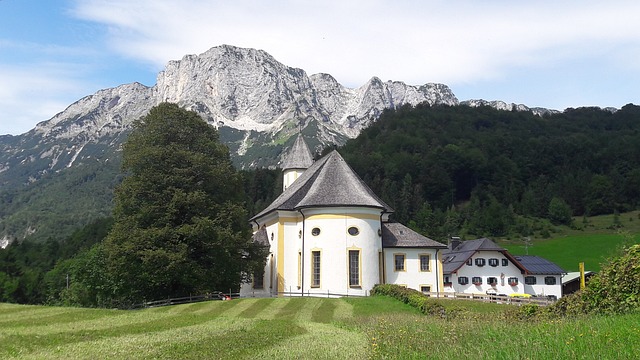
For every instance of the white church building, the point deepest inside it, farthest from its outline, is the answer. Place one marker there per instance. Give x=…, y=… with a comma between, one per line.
x=328, y=234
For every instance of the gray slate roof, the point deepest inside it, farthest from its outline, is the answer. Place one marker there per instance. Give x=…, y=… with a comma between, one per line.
x=536, y=265
x=329, y=182
x=398, y=235
x=453, y=259
x=299, y=156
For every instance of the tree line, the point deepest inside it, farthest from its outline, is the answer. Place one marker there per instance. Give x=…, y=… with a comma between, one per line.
x=445, y=170
x=481, y=171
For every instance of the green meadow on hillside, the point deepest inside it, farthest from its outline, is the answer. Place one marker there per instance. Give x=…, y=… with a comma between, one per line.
x=310, y=328
x=591, y=242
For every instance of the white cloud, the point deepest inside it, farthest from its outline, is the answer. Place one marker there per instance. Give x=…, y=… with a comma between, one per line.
x=414, y=41
x=35, y=93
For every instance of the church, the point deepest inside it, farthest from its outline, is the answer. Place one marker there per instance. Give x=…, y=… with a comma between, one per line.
x=328, y=234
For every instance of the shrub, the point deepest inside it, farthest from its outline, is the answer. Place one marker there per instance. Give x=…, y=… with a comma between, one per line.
x=615, y=290
x=411, y=297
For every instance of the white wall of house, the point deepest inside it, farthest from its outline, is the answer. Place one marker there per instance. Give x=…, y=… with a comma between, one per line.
x=543, y=289
x=500, y=272
x=412, y=276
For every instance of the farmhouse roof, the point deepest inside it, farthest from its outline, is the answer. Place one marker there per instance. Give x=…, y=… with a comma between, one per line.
x=299, y=156
x=454, y=259
x=536, y=265
x=398, y=235
x=329, y=182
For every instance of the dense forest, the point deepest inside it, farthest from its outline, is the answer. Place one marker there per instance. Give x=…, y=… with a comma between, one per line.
x=483, y=171
x=445, y=170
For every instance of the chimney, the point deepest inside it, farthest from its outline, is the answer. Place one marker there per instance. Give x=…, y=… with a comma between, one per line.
x=454, y=242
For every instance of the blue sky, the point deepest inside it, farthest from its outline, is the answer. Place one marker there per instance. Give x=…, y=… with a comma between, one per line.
x=553, y=54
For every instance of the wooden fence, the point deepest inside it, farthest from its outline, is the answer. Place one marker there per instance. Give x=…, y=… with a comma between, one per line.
x=499, y=299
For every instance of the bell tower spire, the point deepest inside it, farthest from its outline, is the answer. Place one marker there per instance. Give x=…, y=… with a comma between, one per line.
x=296, y=161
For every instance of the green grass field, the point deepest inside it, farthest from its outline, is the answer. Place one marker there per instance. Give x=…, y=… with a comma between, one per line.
x=308, y=328
x=592, y=243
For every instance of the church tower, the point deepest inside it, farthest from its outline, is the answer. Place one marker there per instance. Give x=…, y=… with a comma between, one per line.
x=296, y=162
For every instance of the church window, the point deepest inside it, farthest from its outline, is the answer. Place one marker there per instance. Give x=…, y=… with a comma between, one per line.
x=353, y=231
x=424, y=262
x=425, y=289
x=315, y=231
x=354, y=268
x=399, y=262
x=315, y=269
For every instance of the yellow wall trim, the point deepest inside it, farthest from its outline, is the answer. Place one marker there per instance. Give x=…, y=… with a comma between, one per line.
x=344, y=216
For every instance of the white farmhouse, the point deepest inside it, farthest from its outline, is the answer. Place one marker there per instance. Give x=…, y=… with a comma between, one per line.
x=482, y=267
x=329, y=235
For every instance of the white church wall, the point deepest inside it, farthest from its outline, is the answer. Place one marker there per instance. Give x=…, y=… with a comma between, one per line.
x=412, y=275
x=334, y=243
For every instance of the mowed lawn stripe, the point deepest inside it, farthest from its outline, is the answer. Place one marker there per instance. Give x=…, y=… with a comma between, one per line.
x=257, y=307
x=244, y=342
x=143, y=345
x=324, y=312
x=271, y=312
x=58, y=317
x=343, y=310
x=321, y=341
x=239, y=305
x=292, y=308
x=305, y=313
x=215, y=308
x=13, y=344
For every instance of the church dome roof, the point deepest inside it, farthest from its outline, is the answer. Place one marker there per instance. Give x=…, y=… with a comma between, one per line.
x=329, y=182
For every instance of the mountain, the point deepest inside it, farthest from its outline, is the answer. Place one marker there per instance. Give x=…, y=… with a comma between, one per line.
x=60, y=174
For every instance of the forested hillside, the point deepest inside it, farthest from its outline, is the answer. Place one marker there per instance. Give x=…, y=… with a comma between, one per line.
x=482, y=171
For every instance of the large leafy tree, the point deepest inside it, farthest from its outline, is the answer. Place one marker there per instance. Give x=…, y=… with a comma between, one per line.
x=180, y=225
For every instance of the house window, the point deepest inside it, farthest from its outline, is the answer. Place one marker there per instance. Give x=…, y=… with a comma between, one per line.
x=493, y=262
x=480, y=262
x=315, y=269
x=315, y=231
x=258, y=280
x=353, y=231
x=476, y=280
x=513, y=281
x=424, y=262
x=398, y=259
x=530, y=280
x=505, y=262
x=463, y=280
x=549, y=280
x=354, y=268
x=470, y=261
x=493, y=281
x=425, y=289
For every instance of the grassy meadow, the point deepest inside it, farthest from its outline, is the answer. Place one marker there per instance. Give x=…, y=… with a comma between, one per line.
x=308, y=328
x=591, y=242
